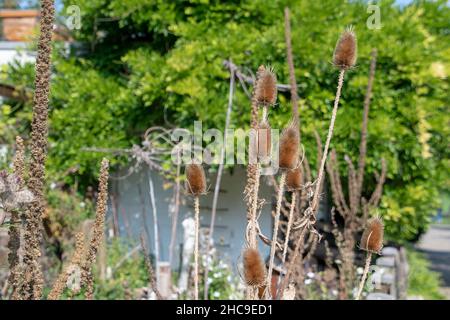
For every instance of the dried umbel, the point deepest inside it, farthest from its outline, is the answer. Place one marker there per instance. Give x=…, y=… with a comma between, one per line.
x=346, y=50
x=195, y=179
x=372, y=237
x=294, y=179
x=264, y=141
x=289, y=148
x=266, y=86
x=254, y=268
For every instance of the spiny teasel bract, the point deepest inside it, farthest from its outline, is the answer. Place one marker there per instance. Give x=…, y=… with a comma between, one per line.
x=294, y=179
x=254, y=268
x=195, y=179
x=97, y=233
x=264, y=141
x=289, y=148
x=345, y=52
x=372, y=237
x=266, y=86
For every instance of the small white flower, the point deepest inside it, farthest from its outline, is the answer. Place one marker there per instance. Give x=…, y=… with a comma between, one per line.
x=52, y=185
x=82, y=204
x=310, y=274
x=334, y=292
x=359, y=270
x=308, y=281
x=216, y=294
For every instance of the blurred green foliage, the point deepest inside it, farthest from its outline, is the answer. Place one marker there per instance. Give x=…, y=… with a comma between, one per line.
x=421, y=281
x=141, y=63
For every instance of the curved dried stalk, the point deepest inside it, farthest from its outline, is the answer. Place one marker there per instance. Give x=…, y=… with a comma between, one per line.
x=364, y=276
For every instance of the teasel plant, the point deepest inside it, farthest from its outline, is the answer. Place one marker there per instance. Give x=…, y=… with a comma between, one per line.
x=371, y=242
x=264, y=95
x=288, y=160
x=344, y=58
x=34, y=280
x=87, y=279
x=196, y=186
x=255, y=273
x=356, y=209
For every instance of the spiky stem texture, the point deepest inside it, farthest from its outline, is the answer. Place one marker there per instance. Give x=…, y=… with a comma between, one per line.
x=97, y=234
x=61, y=281
x=289, y=226
x=33, y=285
x=364, y=276
x=148, y=264
x=15, y=274
x=315, y=201
x=276, y=225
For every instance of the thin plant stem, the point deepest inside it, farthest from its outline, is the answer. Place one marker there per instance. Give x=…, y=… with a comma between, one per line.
x=275, y=231
x=148, y=264
x=315, y=201
x=176, y=210
x=196, y=253
x=289, y=226
x=218, y=180
x=364, y=276
x=254, y=208
x=155, y=225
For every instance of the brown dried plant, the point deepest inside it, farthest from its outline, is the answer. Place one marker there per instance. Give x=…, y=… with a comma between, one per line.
x=371, y=242
x=356, y=209
x=148, y=264
x=34, y=281
x=14, y=245
x=97, y=232
x=196, y=186
x=254, y=268
x=75, y=264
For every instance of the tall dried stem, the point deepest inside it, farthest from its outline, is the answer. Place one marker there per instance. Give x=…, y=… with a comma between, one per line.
x=275, y=232
x=33, y=285
x=97, y=233
x=364, y=276
x=196, y=253
x=289, y=226
x=148, y=264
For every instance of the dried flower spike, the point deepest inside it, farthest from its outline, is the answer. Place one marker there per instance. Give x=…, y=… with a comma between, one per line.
x=289, y=148
x=294, y=179
x=346, y=50
x=372, y=237
x=266, y=86
x=254, y=269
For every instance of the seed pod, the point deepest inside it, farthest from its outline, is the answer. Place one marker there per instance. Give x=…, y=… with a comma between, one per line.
x=266, y=86
x=264, y=141
x=372, y=237
x=346, y=50
x=195, y=179
x=254, y=268
x=289, y=146
x=294, y=179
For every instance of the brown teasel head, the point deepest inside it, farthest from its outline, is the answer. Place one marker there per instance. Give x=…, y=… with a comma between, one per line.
x=266, y=86
x=346, y=50
x=264, y=141
x=294, y=179
x=195, y=179
x=372, y=237
x=254, y=268
x=289, y=148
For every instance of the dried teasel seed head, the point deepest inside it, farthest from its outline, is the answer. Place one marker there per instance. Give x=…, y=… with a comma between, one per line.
x=372, y=237
x=264, y=141
x=294, y=179
x=195, y=179
x=346, y=50
x=254, y=268
x=266, y=86
x=289, y=148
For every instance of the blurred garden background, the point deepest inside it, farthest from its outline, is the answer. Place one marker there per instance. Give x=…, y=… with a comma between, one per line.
x=123, y=66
